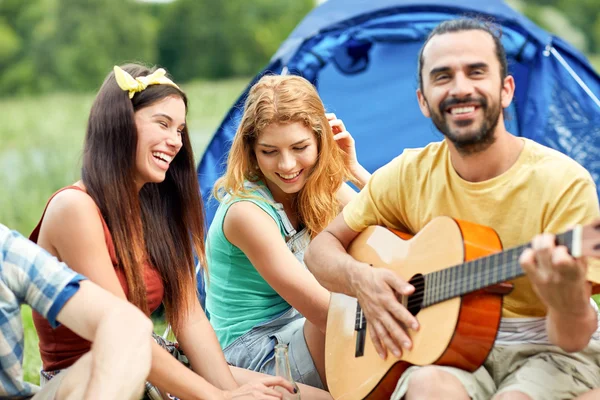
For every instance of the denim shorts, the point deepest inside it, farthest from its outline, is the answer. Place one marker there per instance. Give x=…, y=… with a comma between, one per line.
x=255, y=350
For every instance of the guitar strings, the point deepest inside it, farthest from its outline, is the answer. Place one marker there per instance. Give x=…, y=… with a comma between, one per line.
x=417, y=298
x=458, y=282
x=509, y=263
x=413, y=301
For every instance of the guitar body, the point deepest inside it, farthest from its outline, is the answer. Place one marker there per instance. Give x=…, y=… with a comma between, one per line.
x=459, y=332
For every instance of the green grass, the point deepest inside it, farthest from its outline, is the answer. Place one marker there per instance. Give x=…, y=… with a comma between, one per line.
x=41, y=139
x=31, y=362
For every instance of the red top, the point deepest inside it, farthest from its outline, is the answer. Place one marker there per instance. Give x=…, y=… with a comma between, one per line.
x=60, y=347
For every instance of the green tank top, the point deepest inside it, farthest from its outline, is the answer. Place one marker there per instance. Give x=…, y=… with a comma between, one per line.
x=237, y=297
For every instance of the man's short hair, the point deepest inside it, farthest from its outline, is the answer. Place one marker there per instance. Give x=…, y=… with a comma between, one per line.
x=468, y=24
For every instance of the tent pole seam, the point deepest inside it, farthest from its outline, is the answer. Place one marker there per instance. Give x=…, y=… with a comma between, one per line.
x=574, y=75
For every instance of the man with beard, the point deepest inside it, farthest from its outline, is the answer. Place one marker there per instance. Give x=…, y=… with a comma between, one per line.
x=547, y=346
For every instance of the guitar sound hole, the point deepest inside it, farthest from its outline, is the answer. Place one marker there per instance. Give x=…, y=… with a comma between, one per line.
x=415, y=300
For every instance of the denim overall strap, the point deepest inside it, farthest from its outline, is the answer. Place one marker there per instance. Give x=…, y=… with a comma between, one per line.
x=264, y=192
x=297, y=242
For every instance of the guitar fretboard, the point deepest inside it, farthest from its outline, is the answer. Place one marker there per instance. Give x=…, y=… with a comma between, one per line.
x=478, y=274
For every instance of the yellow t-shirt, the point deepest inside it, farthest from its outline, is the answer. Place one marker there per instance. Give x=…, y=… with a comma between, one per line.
x=544, y=191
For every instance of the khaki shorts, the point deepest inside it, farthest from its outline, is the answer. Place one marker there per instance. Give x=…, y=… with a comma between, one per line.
x=540, y=371
x=49, y=390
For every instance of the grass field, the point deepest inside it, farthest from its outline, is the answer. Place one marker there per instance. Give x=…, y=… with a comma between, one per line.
x=40, y=152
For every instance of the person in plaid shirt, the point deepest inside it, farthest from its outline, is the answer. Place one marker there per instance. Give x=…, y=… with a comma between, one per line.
x=29, y=275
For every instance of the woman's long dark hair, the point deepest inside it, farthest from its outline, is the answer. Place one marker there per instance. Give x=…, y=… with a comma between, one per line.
x=163, y=223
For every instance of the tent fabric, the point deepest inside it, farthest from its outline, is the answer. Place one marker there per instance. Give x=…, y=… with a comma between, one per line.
x=362, y=57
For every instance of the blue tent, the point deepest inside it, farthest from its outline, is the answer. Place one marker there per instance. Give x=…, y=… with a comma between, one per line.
x=362, y=56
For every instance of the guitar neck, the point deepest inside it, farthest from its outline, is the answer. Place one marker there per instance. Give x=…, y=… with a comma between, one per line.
x=486, y=271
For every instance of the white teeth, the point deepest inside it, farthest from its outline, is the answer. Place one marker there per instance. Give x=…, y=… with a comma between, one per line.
x=165, y=157
x=290, y=176
x=462, y=110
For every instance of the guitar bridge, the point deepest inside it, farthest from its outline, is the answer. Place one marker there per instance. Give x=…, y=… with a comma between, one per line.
x=360, y=326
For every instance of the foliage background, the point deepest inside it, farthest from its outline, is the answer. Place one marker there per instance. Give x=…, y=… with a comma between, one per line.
x=49, y=45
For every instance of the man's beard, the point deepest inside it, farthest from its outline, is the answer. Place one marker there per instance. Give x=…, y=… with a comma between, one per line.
x=471, y=142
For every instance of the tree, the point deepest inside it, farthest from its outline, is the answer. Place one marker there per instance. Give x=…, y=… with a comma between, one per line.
x=204, y=38
x=92, y=36
x=582, y=14
x=70, y=44
x=23, y=28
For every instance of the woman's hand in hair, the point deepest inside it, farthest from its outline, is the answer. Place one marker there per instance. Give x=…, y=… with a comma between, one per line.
x=343, y=138
x=262, y=389
x=346, y=142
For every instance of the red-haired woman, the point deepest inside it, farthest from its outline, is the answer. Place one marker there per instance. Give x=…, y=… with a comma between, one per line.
x=283, y=184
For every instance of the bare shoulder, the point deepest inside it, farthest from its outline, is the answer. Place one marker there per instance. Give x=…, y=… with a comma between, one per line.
x=70, y=202
x=246, y=213
x=242, y=221
x=71, y=211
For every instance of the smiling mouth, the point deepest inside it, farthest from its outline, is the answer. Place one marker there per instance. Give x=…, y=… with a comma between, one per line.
x=162, y=157
x=461, y=110
x=289, y=177
x=162, y=160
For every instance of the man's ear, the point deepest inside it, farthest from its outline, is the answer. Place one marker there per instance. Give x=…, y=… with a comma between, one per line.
x=508, y=91
x=423, y=104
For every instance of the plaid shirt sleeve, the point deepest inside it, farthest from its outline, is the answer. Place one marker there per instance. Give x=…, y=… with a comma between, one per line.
x=34, y=276
x=30, y=275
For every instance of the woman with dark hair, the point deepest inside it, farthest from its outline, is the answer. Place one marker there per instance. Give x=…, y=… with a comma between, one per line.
x=133, y=224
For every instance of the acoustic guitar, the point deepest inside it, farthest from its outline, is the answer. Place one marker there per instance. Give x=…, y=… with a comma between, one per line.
x=457, y=269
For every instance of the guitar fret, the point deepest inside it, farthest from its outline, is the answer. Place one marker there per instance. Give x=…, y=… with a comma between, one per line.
x=496, y=265
x=509, y=262
x=475, y=269
x=504, y=266
x=428, y=289
x=431, y=291
x=458, y=282
x=457, y=286
x=452, y=285
x=514, y=264
x=434, y=287
x=489, y=271
x=438, y=286
x=471, y=276
x=464, y=279
x=516, y=267
x=450, y=282
x=436, y=292
x=483, y=272
x=447, y=274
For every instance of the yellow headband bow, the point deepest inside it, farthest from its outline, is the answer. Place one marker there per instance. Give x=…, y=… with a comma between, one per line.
x=128, y=83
